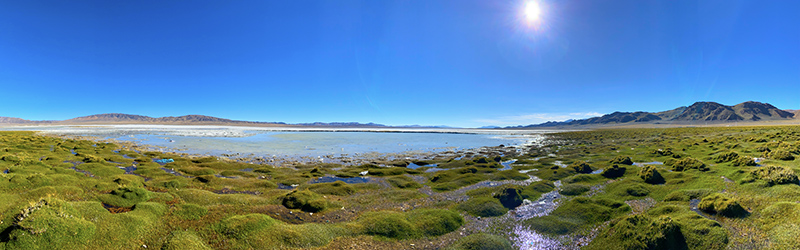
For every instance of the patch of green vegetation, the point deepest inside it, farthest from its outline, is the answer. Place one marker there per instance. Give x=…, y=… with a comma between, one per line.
x=184, y=240
x=772, y=175
x=305, y=200
x=574, y=189
x=403, y=182
x=456, y=178
x=414, y=224
x=388, y=224
x=650, y=175
x=50, y=222
x=483, y=207
x=244, y=226
x=779, y=154
x=726, y=157
x=722, y=204
x=580, y=167
x=126, y=196
x=435, y=222
x=509, y=196
x=190, y=211
x=687, y=195
x=339, y=188
x=578, y=213
x=482, y=241
x=637, y=190
x=641, y=232
x=688, y=163
x=781, y=222
x=624, y=160
x=615, y=171
x=663, y=227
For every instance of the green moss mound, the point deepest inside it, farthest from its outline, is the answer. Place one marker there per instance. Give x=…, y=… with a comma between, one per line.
x=641, y=232
x=242, y=226
x=722, y=204
x=483, y=206
x=305, y=200
x=699, y=232
x=126, y=196
x=510, y=197
x=180, y=240
x=50, y=223
x=388, y=224
x=726, y=157
x=334, y=188
x=435, y=222
x=615, y=171
x=743, y=161
x=482, y=241
x=578, y=213
x=403, y=182
x=574, y=189
x=624, y=160
x=773, y=175
x=650, y=175
x=581, y=167
x=637, y=190
x=782, y=155
x=190, y=211
x=688, y=163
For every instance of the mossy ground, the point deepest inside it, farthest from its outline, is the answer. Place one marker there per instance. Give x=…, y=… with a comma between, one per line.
x=711, y=194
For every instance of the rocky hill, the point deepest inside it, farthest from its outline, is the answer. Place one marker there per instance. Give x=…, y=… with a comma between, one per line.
x=699, y=111
x=117, y=118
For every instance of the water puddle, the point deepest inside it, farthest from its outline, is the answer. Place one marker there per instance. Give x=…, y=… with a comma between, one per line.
x=541, y=207
x=246, y=170
x=597, y=171
x=286, y=187
x=507, y=164
x=128, y=170
x=329, y=179
x=640, y=164
x=527, y=171
x=527, y=239
x=560, y=164
x=163, y=162
x=72, y=151
x=431, y=170
x=5, y=171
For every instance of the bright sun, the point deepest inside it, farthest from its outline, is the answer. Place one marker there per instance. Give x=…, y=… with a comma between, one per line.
x=532, y=11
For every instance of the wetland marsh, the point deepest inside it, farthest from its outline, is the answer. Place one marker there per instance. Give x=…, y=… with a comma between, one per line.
x=676, y=188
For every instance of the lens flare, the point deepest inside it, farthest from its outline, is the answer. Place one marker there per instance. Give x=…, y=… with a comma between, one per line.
x=532, y=11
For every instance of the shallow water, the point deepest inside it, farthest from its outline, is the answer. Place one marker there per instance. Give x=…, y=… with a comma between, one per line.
x=328, y=179
x=254, y=141
x=507, y=164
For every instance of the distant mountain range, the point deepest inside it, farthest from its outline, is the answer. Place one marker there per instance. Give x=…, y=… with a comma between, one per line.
x=700, y=111
x=116, y=118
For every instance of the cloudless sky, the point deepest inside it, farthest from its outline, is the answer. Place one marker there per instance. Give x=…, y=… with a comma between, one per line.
x=459, y=63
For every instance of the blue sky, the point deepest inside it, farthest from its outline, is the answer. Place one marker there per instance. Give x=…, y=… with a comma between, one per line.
x=459, y=63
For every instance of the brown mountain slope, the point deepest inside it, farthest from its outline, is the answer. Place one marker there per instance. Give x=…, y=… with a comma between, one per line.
x=699, y=111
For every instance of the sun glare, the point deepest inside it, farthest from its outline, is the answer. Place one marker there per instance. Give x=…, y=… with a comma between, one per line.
x=532, y=11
